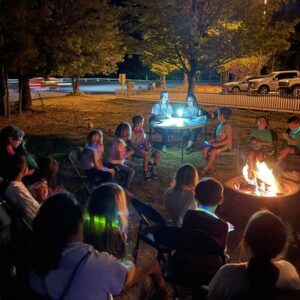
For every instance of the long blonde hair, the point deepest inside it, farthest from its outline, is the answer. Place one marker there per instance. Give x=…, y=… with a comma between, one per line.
x=186, y=178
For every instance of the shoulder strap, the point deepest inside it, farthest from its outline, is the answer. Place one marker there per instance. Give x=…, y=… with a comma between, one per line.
x=69, y=283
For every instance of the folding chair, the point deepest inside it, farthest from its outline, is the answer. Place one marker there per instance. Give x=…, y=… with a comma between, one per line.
x=149, y=218
x=74, y=157
x=193, y=256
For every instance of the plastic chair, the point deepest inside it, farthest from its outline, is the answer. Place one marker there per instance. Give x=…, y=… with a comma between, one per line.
x=193, y=256
x=74, y=157
x=149, y=217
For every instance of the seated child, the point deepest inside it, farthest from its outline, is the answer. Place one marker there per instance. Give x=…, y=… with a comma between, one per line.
x=45, y=179
x=209, y=195
x=221, y=142
x=12, y=144
x=260, y=142
x=91, y=159
x=142, y=147
x=17, y=193
x=181, y=196
x=292, y=138
x=119, y=153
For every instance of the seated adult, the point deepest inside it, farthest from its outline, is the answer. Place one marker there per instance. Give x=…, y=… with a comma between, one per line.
x=209, y=194
x=63, y=267
x=264, y=239
x=17, y=193
x=162, y=110
x=180, y=197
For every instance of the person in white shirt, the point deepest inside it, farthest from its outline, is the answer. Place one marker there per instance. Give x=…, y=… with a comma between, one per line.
x=264, y=239
x=17, y=193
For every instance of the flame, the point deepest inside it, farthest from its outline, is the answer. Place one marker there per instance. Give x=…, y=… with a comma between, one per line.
x=263, y=179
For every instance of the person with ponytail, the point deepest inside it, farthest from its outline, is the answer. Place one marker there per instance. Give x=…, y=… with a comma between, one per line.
x=264, y=239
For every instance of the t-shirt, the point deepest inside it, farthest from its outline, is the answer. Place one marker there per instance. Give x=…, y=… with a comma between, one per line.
x=100, y=275
x=162, y=109
x=191, y=112
x=222, y=131
x=22, y=200
x=296, y=136
x=138, y=138
x=118, y=149
x=177, y=203
x=231, y=281
x=262, y=135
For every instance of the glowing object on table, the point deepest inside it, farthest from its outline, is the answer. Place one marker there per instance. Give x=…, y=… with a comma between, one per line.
x=176, y=122
x=180, y=112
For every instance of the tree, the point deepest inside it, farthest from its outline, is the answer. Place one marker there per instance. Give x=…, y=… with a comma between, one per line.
x=89, y=39
x=17, y=48
x=241, y=67
x=201, y=34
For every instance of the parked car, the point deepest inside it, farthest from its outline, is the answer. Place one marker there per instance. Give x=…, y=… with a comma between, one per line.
x=41, y=82
x=289, y=87
x=269, y=83
x=238, y=86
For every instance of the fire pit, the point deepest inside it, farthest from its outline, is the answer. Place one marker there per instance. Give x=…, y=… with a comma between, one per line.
x=246, y=194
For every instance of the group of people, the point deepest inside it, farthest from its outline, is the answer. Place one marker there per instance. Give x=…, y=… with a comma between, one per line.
x=81, y=252
x=260, y=140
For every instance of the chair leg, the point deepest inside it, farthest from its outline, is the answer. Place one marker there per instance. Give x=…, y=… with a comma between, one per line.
x=136, y=250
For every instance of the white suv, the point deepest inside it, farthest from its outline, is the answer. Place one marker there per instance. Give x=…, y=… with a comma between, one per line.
x=269, y=83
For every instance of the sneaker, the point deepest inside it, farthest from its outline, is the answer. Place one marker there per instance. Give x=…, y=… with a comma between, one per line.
x=147, y=175
x=187, y=150
x=164, y=149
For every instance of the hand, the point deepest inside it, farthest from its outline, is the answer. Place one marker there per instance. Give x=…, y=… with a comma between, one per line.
x=112, y=171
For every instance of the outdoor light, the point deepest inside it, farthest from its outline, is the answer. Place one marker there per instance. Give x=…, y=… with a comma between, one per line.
x=180, y=112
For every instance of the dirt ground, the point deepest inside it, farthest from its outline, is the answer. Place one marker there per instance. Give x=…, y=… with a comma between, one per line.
x=64, y=125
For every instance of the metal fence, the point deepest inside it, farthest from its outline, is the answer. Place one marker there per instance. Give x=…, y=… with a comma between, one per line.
x=271, y=102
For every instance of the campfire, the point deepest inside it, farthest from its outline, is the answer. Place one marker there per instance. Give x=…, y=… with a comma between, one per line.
x=260, y=182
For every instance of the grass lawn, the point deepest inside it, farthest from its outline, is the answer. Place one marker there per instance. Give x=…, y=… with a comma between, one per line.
x=64, y=125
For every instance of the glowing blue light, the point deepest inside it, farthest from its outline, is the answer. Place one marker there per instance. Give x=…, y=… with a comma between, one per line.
x=180, y=112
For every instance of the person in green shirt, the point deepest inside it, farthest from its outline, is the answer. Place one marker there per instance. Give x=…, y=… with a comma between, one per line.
x=261, y=142
x=292, y=137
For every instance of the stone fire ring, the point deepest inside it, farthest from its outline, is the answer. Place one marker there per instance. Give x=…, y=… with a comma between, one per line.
x=239, y=206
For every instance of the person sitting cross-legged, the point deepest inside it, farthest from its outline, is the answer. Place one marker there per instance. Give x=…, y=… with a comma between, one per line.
x=209, y=194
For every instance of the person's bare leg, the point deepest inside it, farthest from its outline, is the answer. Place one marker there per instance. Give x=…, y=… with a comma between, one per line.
x=284, y=153
x=205, y=152
x=251, y=159
x=211, y=159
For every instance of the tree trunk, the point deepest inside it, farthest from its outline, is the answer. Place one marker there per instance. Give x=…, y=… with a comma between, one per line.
x=76, y=84
x=185, y=80
x=163, y=81
x=25, y=94
x=192, y=76
x=4, y=94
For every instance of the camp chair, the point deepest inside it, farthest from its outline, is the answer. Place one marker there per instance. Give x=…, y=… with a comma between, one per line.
x=149, y=217
x=74, y=157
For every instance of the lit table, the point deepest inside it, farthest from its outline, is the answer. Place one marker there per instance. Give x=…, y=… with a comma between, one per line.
x=180, y=124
